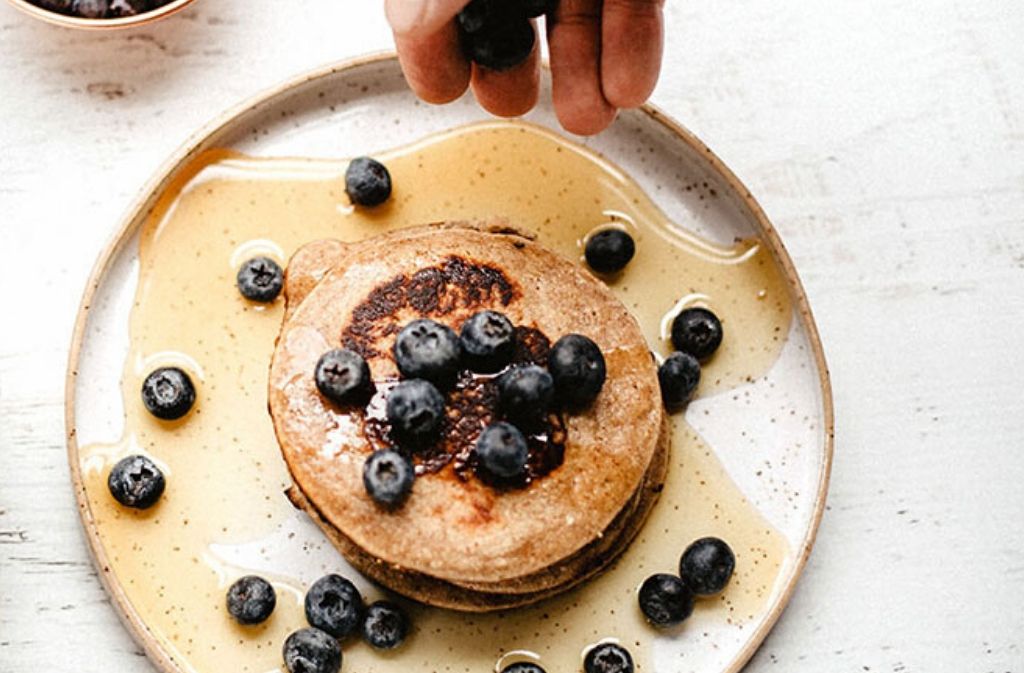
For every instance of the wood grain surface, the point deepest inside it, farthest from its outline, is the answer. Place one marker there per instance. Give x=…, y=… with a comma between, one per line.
x=884, y=139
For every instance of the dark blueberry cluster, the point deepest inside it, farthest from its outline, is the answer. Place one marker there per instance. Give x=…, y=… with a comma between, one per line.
x=704, y=570
x=100, y=9
x=498, y=34
x=696, y=335
x=335, y=610
x=430, y=357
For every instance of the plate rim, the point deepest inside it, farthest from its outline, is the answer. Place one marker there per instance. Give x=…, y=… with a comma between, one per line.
x=143, y=203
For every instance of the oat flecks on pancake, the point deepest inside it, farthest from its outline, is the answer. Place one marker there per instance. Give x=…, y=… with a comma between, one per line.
x=463, y=532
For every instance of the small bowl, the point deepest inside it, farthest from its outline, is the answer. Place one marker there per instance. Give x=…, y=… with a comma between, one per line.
x=100, y=24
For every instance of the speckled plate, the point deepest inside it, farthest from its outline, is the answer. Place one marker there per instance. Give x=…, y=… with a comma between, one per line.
x=772, y=435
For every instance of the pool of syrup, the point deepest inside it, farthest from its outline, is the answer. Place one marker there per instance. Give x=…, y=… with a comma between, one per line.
x=224, y=470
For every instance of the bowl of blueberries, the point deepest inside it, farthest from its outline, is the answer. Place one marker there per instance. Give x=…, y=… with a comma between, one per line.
x=99, y=14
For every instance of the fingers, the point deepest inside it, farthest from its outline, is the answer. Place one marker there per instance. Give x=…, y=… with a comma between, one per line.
x=604, y=56
x=508, y=93
x=574, y=41
x=433, y=63
x=632, y=38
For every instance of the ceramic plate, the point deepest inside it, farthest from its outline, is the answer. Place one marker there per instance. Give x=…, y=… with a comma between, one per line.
x=767, y=439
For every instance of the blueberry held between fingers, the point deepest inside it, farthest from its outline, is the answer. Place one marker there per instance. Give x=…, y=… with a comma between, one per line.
x=367, y=182
x=502, y=46
x=707, y=565
x=523, y=667
x=697, y=331
x=488, y=341
x=385, y=626
x=578, y=369
x=608, y=658
x=415, y=409
x=609, y=250
x=251, y=599
x=136, y=482
x=168, y=393
x=502, y=451
x=388, y=477
x=334, y=605
x=260, y=279
x=343, y=377
x=525, y=393
x=426, y=349
x=665, y=600
x=479, y=13
x=678, y=377
x=311, y=651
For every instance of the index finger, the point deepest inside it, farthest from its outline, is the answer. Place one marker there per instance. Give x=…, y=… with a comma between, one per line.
x=427, y=41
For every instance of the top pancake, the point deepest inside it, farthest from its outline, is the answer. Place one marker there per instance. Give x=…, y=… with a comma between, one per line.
x=455, y=527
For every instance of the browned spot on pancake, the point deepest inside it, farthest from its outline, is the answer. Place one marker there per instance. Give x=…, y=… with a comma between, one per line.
x=471, y=404
x=455, y=284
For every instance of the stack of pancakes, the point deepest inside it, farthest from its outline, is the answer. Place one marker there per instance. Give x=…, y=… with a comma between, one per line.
x=459, y=542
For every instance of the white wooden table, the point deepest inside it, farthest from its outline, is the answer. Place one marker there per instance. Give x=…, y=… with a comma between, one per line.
x=886, y=141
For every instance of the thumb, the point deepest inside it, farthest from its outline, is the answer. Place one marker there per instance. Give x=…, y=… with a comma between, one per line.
x=421, y=17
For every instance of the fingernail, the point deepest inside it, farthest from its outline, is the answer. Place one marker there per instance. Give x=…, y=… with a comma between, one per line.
x=405, y=15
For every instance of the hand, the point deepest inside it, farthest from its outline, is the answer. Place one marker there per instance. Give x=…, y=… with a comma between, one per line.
x=605, y=55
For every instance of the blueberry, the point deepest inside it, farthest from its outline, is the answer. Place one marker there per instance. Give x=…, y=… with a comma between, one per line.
x=609, y=250
x=343, y=377
x=385, y=626
x=311, y=651
x=608, y=658
x=523, y=667
x=707, y=565
x=388, y=477
x=425, y=349
x=90, y=9
x=665, y=600
x=334, y=605
x=502, y=451
x=260, y=279
x=136, y=482
x=678, y=376
x=251, y=599
x=525, y=393
x=577, y=367
x=168, y=393
x=488, y=341
x=367, y=182
x=500, y=46
x=697, y=331
x=479, y=13
x=415, y=409
x=127, y=7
